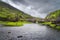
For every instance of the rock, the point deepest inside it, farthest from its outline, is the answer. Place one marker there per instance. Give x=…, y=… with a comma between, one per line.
x=19, y=36
x=9, y=32
x=58, y=24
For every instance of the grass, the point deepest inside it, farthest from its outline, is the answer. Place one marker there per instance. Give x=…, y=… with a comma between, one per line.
x=51, y=25
x=46, y=23
x=19, y=23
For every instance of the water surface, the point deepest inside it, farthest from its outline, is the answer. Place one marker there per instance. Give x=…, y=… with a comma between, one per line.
x=29, y=32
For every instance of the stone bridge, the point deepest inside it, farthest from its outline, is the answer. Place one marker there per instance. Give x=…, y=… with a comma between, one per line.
x=35, y=20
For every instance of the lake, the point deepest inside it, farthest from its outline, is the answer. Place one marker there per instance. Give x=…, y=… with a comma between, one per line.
x=29, y=32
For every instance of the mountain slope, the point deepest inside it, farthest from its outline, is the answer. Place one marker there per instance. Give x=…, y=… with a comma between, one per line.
x=53, y=15
x=9, y=13
x=54, y=19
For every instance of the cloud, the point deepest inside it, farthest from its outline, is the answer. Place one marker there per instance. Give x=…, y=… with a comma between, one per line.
x=4, y=1
x=37, y=8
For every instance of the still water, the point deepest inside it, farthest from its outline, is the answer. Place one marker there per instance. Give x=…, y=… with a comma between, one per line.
x=29, y=32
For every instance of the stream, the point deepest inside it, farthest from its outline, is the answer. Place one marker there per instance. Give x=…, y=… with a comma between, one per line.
x=29, y=32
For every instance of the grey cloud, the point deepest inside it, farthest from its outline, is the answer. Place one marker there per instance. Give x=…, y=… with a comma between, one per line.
x=20, y=1
x=46, y=5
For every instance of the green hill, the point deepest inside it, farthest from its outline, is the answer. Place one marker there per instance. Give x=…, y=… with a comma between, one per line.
x=53, y=19
x=11, y=14
x=53, y=15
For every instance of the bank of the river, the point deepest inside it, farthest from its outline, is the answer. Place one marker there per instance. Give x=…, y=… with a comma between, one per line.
x=19, y=23
x=50, y=24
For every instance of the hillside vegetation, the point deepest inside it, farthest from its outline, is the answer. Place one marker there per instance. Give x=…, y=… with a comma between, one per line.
x=53, y=15
x=53, y=20
x=10, y=15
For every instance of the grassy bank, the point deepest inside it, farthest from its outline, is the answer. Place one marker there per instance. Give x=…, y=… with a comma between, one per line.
x=54, y=26
x=19, y=23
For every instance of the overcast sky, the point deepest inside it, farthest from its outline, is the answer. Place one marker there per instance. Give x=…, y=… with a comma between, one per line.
x=37, y=8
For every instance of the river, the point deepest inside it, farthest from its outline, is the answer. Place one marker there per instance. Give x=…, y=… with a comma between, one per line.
x=29, y=32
